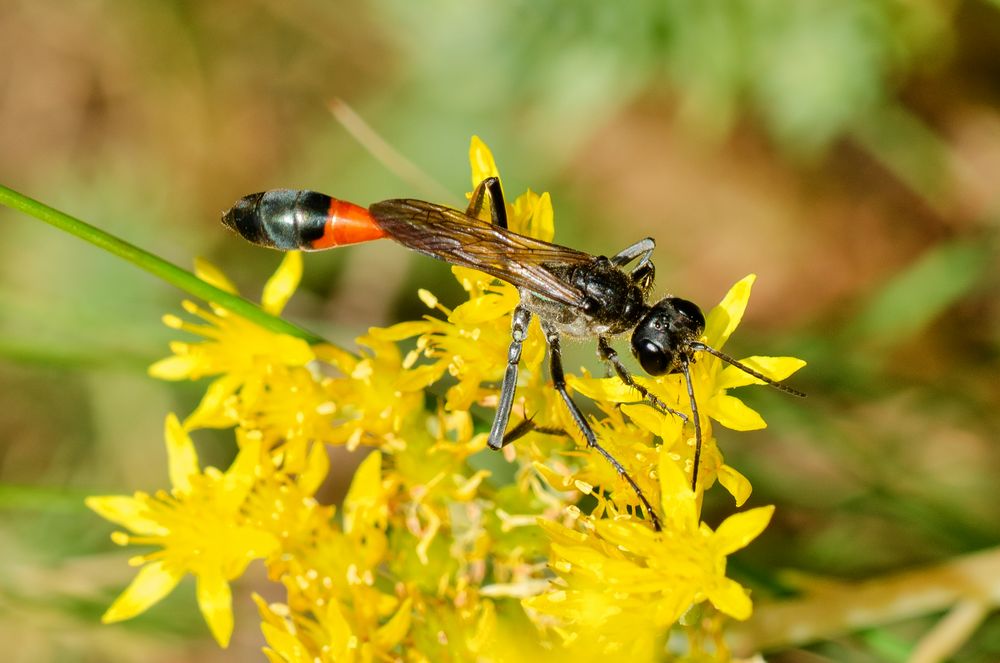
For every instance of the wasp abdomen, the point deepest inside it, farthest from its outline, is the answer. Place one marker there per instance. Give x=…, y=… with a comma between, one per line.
x=287, y=220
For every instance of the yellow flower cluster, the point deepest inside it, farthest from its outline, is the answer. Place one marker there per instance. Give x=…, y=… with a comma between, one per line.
x=432, y=557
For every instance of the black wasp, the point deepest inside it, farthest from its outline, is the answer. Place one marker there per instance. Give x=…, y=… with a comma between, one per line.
x=573, y=293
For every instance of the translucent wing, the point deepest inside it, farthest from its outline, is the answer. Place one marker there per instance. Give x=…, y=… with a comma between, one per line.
x=450, y=235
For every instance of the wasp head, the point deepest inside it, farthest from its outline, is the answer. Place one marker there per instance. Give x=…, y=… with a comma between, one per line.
x=663, y=336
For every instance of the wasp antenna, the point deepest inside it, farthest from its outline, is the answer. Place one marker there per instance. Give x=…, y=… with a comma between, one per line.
x=698, y=345
x=697, y=424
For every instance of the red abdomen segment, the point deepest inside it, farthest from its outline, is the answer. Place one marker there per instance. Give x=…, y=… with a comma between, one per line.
x=287, y=220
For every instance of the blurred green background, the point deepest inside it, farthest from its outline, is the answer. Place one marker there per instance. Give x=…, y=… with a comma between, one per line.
x=846, y=151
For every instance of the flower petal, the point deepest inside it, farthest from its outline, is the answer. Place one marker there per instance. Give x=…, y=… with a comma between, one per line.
x=737, y=484
x=481, y=159
x=542, y=225
x=730, y=597
x=365, y=493
x=126, y=511
x=211, y=411
x=317, y=468
x=281, y=286
x=149, y=586
x=175, y=367
x=776, y=368
x=215, y=600
x=209, y=273
x=389, y=634
x=181, y=454
x=604, y=389
x=739, y=529
x=240, y=476
x=678, y=500
x=733, y=413
x=724, y=318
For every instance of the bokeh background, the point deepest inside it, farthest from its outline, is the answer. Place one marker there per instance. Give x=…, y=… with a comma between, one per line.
x=846, y=151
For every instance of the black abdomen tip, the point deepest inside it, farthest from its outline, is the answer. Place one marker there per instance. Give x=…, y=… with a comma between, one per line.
x=281, y=219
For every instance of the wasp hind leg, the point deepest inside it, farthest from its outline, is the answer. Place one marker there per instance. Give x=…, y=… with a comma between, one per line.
x=559, y=382
x=498, y=210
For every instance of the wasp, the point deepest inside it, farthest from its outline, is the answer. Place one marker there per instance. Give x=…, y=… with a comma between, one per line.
x=573, y=293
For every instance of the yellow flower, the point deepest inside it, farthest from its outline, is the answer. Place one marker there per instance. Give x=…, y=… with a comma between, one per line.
x=335, y=609
x=198, y=528
x=627, y=584
x=241, y=352
x=377, y=394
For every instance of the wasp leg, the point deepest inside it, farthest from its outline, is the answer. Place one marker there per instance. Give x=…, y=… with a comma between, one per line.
x=498, y=210
x=609, y=355
x=559, y=382
x=697, y=425
x=643, y=273
x=642, y=249
x=518, y=332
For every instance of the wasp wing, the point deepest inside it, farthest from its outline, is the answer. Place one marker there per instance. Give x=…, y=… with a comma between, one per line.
x=447, y=234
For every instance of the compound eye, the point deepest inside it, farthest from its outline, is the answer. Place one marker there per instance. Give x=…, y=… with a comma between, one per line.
x=690, y=311
x=653, y=359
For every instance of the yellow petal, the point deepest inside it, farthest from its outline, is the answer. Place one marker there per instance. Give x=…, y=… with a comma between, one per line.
x=520, y=214
x=558, y=481
x=290, y=351
x=127, y=512
x=181, y=454
x=149, y=586
x=733, y=413
x=724, y=318
x=211, y=411
x=737, y=484
x=317, y=467
x=543, y=219
x=400, y=331
x=209, y=273
x=604, y=389
x=286, y=647
x=240, y=476
x=177, y=367
x=421, y=376
x=776, y=368
x=393, y=631
x=485, y=308
x=366, y=490
x=730, y=597
x=678, y=500
x=739, y=529
x=481, y=160
x=216, y=603
x=338, y=357
x=281, y=286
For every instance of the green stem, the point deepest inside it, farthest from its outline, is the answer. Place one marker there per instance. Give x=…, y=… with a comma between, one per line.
x=167, y=271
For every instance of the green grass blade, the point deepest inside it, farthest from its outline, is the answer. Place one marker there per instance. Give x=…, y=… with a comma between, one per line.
x=155, y=265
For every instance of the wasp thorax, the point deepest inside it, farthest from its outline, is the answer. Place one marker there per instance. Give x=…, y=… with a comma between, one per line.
x=661, y=338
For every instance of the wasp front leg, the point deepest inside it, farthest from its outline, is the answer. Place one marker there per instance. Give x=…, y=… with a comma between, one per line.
x=609, y=355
